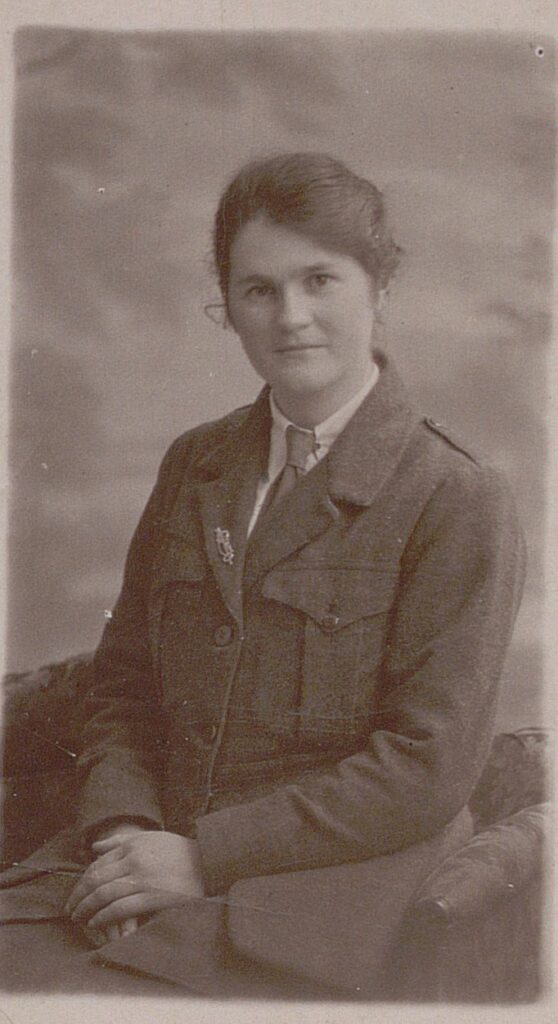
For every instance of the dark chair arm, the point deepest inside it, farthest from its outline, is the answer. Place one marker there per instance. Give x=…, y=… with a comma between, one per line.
x=42, y=722
x=42, y=717
x=514, y=777
x=495, y=864
x=474, y=931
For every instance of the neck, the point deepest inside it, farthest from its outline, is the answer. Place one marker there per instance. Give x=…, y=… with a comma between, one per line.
x=309, y=410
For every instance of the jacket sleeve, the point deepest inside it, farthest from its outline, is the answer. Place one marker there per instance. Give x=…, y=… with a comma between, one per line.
x=461, y=579
x=123, y=738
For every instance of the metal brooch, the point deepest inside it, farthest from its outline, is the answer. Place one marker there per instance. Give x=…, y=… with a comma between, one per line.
x=224, y=546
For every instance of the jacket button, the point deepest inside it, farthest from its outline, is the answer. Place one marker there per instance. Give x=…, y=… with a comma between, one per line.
x=223, y=636
x=329, y=622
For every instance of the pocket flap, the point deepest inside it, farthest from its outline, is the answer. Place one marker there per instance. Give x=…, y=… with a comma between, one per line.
x=333, y=597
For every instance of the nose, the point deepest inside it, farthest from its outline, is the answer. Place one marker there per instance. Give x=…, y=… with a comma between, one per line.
x=293, y=309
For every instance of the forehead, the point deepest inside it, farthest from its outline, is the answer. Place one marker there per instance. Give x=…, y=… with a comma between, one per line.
x=262, y=247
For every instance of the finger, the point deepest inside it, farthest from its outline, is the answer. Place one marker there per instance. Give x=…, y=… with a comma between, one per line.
x=110, y=843
x=134, y=906
x=120, y=832
x=129, y=926
x=116, y=853
x=103, y=896
x=92, y=879
x=111, y=932
x=94, y=937
x=119, y=836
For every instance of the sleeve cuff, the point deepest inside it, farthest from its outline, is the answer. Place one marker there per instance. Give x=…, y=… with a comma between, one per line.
x=91, y=834
x=243, y=841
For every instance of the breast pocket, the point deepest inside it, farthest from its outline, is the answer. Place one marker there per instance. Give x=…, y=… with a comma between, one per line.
x=345, y=623
x=174, y=609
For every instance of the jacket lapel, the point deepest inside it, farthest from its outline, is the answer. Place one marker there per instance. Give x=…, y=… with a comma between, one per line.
x=359, y=464
x=227, y=498
x=302, y=516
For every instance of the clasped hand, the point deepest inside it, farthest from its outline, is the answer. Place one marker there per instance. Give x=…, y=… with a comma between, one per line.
x=134, y=874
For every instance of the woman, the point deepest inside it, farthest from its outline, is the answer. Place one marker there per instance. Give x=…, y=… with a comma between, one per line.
x=298, y=682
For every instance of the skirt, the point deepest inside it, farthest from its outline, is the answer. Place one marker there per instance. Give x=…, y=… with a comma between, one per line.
x=301, y=935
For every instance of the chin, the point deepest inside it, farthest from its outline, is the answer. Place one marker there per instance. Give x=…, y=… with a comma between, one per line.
x=299, y=388
x=302, y=379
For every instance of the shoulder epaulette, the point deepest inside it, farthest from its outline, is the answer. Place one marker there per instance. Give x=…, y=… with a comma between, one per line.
x=442, y=431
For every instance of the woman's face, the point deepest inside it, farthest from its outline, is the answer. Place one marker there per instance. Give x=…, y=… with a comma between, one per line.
x=305, y=316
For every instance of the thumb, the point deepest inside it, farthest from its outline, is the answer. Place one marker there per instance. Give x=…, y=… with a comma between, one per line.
x=105, y=845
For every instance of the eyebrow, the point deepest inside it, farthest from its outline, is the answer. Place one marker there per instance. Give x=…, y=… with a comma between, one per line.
x=314, y=268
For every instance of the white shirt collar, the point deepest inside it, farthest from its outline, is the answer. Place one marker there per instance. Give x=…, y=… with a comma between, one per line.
x=325, y=433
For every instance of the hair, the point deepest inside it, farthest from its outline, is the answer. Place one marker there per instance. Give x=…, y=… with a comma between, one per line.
x=320, y=198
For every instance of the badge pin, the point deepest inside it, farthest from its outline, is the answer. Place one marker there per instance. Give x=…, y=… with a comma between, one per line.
x=224, y=546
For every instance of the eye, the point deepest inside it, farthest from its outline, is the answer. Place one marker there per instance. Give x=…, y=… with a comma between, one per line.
x=259, y=291
x=319, y=281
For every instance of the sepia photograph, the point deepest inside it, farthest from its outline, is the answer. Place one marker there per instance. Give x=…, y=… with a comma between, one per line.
x=275, y=717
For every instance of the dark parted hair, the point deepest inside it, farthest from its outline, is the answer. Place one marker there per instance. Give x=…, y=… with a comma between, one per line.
x=319, y=197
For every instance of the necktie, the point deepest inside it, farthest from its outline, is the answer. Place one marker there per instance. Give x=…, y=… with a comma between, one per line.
x=300, y=444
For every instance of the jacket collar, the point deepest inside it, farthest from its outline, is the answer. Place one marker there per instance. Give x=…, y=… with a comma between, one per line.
x=246, y=444
x=360, y=461
x=371, y=446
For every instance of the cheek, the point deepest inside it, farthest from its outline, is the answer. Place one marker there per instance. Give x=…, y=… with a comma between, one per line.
x=245, y=320
x=252, y=326
x=252, y=335
x=346, y=324
x=353, y=321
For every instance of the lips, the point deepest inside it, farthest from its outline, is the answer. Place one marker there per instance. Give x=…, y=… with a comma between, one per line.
x=297, y=348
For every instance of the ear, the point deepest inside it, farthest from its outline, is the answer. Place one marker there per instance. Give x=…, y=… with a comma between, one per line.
x=217, y=313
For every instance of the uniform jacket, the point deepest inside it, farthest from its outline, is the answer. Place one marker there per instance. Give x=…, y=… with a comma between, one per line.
x=325, y=693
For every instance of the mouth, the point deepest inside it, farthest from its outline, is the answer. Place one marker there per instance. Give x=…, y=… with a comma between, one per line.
x=287, y=349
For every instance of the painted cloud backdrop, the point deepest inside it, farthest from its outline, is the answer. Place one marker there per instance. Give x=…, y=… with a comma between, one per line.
x=123, y=143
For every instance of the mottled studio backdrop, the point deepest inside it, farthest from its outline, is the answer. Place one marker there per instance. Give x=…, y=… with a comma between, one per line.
x=122, y=145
